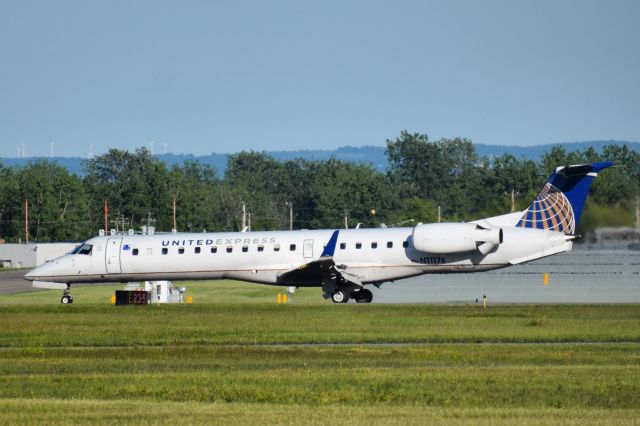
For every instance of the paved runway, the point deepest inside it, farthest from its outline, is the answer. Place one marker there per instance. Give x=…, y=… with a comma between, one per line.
x=12, y=282
x=580, y=276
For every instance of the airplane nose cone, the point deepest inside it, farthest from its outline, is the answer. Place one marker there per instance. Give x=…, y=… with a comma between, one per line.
x=39, y=272
x=30, y=276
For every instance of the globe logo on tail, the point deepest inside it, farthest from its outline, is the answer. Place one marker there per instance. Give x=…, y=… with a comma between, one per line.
x=550, y=210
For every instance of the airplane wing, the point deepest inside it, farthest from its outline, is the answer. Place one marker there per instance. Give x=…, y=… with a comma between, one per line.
x=321, y=272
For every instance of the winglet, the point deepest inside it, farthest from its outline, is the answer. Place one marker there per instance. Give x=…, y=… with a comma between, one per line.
x=331, y=245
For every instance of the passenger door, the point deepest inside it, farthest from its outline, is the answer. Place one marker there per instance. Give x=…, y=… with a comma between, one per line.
x=112, y=255
x=307, y=248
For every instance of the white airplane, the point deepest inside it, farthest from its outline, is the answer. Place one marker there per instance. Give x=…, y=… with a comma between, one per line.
x=341, y=262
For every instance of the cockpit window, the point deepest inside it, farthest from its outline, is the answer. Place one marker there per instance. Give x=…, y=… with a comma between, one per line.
x=86, y=249
x=76, y=249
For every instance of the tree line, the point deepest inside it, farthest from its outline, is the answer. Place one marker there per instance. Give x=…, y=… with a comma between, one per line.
x=423, y=177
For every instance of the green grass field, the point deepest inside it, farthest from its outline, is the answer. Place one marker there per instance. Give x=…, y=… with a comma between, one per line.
x=234, y=356
x=223, y=291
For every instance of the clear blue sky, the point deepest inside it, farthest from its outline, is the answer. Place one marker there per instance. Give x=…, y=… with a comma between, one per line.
x=222, y=76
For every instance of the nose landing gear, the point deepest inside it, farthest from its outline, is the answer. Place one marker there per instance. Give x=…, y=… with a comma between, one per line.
x=66, y=298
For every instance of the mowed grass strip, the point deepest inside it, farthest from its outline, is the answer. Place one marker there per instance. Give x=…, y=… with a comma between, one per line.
x=256, y=363
x=444, y=375
x=86, y=411
x=217, y=291
x=106, y=325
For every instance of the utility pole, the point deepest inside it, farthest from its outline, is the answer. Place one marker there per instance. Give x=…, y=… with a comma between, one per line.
x=120, y=220
x=106, y=218
x=439, y=213
x=290, y=205
x=638, y=212
x=244, y=216
x=26, y=220
x=249, y=221
x=175, y=228
x=346, y=222
x=513, y=200
x=149, y=221
x=512, y=194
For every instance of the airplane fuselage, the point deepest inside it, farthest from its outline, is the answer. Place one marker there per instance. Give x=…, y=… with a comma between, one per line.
x=372, y=255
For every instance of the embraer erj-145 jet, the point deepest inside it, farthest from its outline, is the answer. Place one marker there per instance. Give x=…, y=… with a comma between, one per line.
x=341, y=262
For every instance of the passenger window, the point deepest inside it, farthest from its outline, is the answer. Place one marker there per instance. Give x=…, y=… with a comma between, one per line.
x=343, y=246
x=389, y=244
x=292, y=247
x=134, y=252
x=214, y=249
x=358, y=245
x=165, y=250
x=405, y=243
x=245, y=249
x=229, y=249
x=276, y=247
x=197, y=250
x=374, y=245
x=181, y=250
x=260, y=248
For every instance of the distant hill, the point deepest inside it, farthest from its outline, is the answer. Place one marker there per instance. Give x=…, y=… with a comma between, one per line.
x=374, y=155
x=536, y=151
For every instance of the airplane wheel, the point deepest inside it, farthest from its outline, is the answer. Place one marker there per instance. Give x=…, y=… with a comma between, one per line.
x=339, y=297
x=363, y=296
x=65, y=300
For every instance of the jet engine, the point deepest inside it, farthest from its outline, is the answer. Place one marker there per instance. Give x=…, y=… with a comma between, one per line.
x=447, y=238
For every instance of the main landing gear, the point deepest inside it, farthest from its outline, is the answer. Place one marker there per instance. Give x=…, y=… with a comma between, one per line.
x=66, y=298
x=360, y=296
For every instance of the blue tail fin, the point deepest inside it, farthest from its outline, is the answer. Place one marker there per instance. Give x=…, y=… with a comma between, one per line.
x=559, y=204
